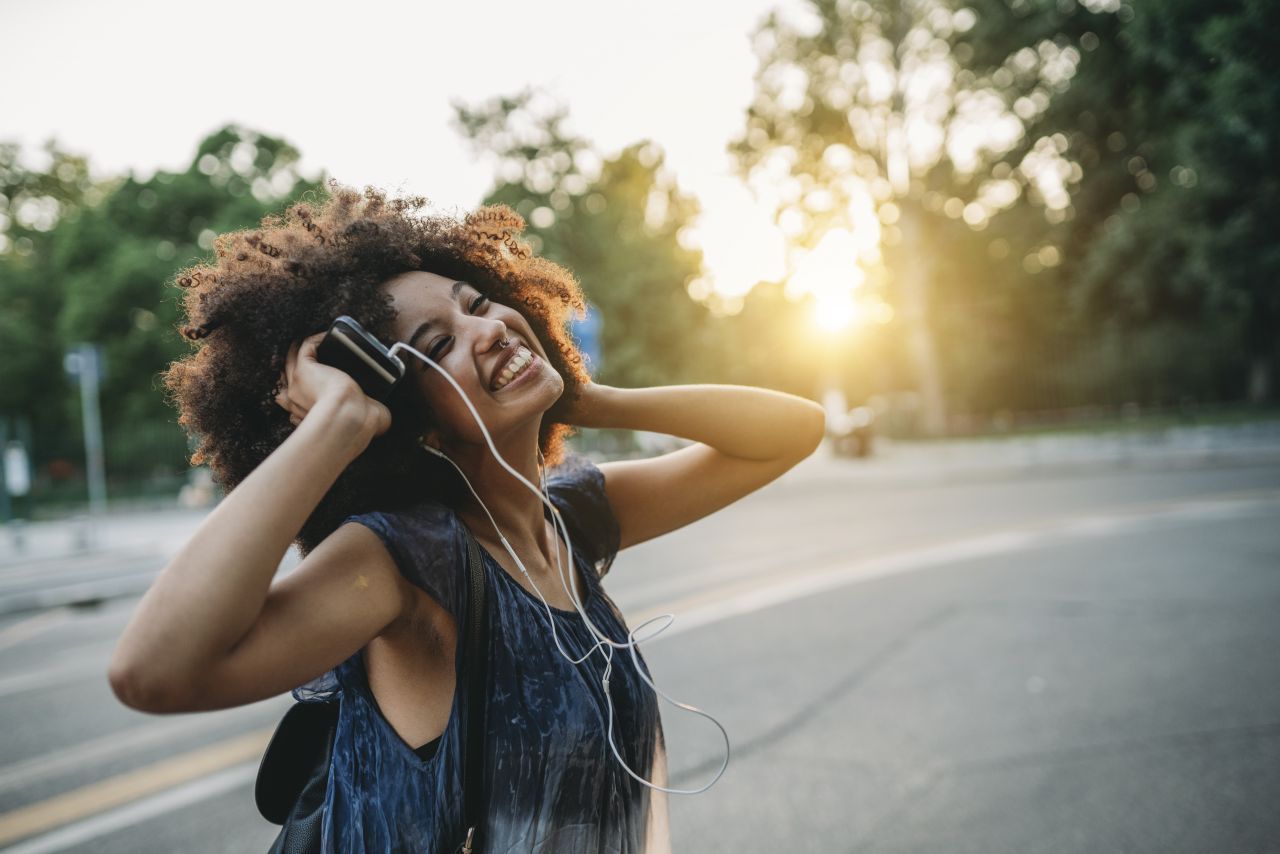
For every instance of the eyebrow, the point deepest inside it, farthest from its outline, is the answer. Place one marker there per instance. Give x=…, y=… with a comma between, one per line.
x=427, y=324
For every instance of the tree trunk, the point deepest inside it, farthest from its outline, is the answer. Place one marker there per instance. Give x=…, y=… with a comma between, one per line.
x=915, y=272
x=1259, y=379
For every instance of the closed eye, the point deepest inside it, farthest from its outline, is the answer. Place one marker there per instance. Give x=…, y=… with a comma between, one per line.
x=477, y=305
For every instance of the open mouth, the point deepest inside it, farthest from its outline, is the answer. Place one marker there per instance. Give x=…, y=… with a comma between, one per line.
x=514, y=368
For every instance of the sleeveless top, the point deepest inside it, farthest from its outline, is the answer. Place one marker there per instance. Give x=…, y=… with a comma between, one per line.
x=552, y=781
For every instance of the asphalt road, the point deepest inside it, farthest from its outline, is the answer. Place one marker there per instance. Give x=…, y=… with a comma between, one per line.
x=1075, y=661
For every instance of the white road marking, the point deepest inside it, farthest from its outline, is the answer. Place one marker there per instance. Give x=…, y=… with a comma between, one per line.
x=728, y=601
x=131, y=787
x=725, y=602
x=113, y=745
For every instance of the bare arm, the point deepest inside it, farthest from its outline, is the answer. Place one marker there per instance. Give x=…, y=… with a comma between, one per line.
x=739, y=421
x=746, y=437
x=211, y=595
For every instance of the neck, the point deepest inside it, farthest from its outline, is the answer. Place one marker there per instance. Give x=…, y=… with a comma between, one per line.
x=517, y=511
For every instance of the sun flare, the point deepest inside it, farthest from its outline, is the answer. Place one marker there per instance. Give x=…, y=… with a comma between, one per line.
x=834, y=312
x=831, y=275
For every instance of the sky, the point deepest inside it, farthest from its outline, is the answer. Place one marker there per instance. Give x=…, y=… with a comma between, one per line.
x=364, y=89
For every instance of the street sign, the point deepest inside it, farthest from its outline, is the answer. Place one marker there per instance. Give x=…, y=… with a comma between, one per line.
x=586, y=333
x=17, y=469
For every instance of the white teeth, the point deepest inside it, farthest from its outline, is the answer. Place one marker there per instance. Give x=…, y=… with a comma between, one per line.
x=517, y=364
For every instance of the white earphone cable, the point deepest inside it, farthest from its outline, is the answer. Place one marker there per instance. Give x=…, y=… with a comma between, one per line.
x=602, y=640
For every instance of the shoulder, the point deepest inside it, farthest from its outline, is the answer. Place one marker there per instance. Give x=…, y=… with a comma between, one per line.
x=426, y=519
x=424, y=541
x=577, y=488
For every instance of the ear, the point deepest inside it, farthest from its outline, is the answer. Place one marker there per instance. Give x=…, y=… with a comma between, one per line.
x=433, y=439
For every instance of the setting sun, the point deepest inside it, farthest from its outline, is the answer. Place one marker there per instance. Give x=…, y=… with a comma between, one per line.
x=834, y=312
x=830, y=274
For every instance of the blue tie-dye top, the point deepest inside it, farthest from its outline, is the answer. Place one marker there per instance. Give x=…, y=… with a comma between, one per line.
x=553, y=784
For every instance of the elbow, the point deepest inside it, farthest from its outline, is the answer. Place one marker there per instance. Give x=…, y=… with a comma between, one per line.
x=804, y=432
x=819, y=426
x=133, y=689
x=143, y=692
x=815, y=429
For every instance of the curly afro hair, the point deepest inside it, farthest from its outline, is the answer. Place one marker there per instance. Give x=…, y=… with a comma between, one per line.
x=289, y=278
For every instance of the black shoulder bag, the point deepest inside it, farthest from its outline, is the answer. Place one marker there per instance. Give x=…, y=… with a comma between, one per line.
x=294, y=771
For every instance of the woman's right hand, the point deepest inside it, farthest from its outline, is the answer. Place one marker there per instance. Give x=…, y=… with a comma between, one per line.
x=306, y=382
x=243, y=638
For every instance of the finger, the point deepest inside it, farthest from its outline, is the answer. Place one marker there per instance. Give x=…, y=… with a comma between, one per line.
x=310, y=344
x=288, y=404
x=289, y=361
x=383, y=419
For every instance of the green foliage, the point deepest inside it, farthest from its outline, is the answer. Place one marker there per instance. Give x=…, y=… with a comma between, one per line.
x=33, y=199
x=867, y=106
x=1154, y=284
x=1223, y=125
x=614, y=223
x=100, y=271
x=1172, y=115
x=1157, y=282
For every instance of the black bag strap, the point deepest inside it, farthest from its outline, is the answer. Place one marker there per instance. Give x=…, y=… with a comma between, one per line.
x=294, y=770
x=477, y=662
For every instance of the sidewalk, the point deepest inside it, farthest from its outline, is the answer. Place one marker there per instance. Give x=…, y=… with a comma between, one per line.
x=161, y=533
x=164, y=532
x=943, y=460
x=68, y=561
x=73, y=562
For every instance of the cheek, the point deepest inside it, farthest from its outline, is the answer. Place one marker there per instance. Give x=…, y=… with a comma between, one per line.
x=441, y=397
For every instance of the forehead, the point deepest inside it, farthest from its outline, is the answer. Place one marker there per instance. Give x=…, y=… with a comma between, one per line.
x=419, y=292
x=419, y=287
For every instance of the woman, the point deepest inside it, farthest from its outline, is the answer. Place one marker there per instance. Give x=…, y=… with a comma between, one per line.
x=370, y=615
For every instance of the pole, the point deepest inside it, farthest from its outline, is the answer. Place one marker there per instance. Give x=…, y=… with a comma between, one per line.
x=94, y=462
x=6, y=511
x=84, y=363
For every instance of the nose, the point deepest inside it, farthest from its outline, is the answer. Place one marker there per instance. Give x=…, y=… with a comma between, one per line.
x=493, y=332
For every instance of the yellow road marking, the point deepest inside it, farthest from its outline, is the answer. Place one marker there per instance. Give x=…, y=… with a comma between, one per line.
x=744, y=596
x=130, y=786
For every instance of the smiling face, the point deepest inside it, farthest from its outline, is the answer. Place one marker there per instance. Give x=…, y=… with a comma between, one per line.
x=459, y=328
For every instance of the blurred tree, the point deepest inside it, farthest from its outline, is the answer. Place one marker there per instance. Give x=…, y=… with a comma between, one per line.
x=866, y=117
x=1167, y=246
x=1204, y=250
x=117, y=261
x=1036, y=353
x=616, y=223
x=103, y=272
x=34, y=200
